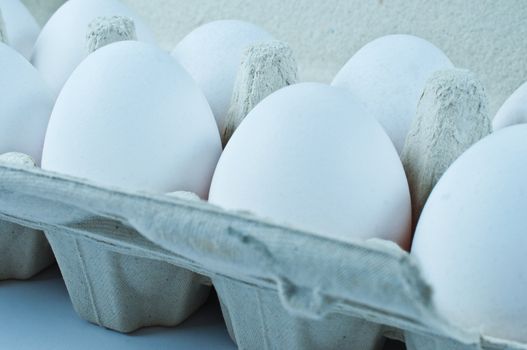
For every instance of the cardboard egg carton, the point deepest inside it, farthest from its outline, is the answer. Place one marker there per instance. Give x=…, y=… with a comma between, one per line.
x=23, y=251
x=132, y=259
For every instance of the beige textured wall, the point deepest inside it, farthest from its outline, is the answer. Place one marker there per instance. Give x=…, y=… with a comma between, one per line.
x=486, y=36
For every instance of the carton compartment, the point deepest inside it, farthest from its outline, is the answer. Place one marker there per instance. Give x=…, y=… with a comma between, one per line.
x=125, y=292
x=24, y=252
x=256, y=319
x=416, y=342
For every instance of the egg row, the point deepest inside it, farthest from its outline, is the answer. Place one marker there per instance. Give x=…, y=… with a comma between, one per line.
x=336, y=160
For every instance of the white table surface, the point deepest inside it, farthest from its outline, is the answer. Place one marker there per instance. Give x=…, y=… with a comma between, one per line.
x=38, y=315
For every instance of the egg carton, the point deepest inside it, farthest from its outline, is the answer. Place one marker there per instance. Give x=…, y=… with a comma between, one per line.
x=23, y=251
x=134, y=259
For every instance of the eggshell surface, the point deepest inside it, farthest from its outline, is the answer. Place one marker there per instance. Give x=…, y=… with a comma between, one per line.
x=388, y=75
x=212, y=55
x=22, y=29
x=513, y=111
x=131, y=117
x=61, y=45
x=26, y=105
x=309, y=156
x=471, y=239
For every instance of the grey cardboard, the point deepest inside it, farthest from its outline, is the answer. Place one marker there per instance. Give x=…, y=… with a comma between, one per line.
x=303, y=280
x=23, y=251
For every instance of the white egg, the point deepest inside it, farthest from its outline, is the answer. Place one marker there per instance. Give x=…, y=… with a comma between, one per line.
x=26, y=105
x=513, y=111
x=61, y=45
x=311, y=157
x=388, y=75
x=22, y=29
x=212, y=54
x=130, y=116
x=471, y=239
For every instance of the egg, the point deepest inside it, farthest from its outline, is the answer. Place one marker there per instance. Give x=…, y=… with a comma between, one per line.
x=471, y=239
x=212, y=53
x=26, y=105
x=388, y=75
x=61, y=45
x=20, y=26
x=310, y=156
x=131, y=117
x=513, y=111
